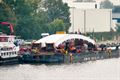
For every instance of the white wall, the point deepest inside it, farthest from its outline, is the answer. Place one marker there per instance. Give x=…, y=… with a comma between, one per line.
x=98, y=20
x=88, y=20
x=85, y=5
x=115, y=2
x=77, y=20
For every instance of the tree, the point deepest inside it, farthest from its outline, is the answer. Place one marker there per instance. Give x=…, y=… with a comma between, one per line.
x=33, y=17
x=56, y=9
x=29, y=21
x=6, y=15
x=106, y=4
x=56, y=25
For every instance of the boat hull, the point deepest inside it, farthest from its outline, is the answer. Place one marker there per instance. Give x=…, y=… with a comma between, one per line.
x=69, y=58
x=11, y=60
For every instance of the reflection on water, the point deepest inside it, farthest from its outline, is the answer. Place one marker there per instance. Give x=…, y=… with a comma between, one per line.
x=97, y=70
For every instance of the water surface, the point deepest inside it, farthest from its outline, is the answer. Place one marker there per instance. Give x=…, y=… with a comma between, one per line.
x=95, y=70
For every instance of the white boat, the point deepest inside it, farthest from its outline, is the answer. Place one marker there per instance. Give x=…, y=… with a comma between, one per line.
x=8, y=49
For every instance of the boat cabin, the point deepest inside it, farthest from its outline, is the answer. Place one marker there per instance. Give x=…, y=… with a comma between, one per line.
x=5, y=38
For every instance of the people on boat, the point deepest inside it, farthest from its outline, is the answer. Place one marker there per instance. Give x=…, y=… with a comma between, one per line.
x=69, y=46
x=72, y=47
x=60, y=49
x=35, y=50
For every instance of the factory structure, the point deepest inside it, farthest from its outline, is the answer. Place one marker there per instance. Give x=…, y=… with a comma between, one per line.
x=88, y=17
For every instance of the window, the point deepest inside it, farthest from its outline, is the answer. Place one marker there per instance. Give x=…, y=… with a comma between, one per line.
x=10, y=53
x=95, y=6
x=4, y=54
x=7, y=53
x=1, y=54
x=3, y=39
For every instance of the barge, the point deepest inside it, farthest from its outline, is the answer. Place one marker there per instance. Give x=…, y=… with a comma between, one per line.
x=67, y=48
x=70, y=57
x=8, y=49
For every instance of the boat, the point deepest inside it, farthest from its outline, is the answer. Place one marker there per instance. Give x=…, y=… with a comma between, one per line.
x=8, y=49
x=68, y=58
x=49, y=50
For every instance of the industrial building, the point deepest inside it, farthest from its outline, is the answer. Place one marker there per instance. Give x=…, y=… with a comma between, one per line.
x=89, y=20
x=88, y=17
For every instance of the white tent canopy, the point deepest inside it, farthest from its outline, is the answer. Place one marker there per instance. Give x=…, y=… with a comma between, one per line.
x=57, y=39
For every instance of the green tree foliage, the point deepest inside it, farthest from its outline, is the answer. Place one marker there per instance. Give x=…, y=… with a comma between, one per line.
x=33, y=17
x=56, y=9
x=28, y=26
x=6, y=15
x=56, y=25
x=106, y=5
x=31, y=22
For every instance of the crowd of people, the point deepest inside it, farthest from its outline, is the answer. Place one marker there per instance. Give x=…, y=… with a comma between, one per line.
x=75, y=46
x=69, y=46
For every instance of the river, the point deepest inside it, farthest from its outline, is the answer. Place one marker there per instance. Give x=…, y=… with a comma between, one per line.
x=108, y=69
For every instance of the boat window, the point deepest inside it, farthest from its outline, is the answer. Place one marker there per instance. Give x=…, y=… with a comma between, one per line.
x=1, y=54
x=10, y=53
x=1, y=48
x=7, y=53
x=3, y=39
x=4, y=54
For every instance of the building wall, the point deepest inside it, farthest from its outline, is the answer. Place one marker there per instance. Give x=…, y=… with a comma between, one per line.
x=85, y=5
x=89, y=20
x=115, y=2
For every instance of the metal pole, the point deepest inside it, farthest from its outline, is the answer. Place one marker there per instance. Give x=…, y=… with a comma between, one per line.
x=84, y=21
x=111, y=24
x=73, y=19
x=110, y=19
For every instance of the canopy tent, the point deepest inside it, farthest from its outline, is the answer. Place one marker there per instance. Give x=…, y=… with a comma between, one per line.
x=57, y=39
